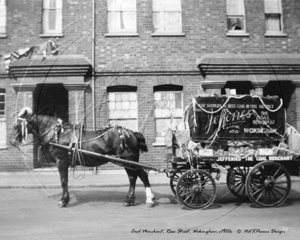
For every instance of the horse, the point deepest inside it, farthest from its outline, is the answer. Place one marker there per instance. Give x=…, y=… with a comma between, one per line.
x=113, y=141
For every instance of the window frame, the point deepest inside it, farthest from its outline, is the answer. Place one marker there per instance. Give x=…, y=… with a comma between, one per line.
x=3, y=10
x=163, y=12
x=242, y=32
x=122, y=32
x=58, y=31
x=160, y=140
x=3, y=121
x=266, y=12
x=122, y=91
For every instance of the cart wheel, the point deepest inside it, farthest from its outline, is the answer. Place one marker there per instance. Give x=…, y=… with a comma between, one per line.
x=174, y=179
x=268, y=184
x=196, y=189
x=236, y=179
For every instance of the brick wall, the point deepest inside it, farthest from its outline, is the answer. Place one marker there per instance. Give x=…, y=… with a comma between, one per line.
x=204, y=26
x=11, y=158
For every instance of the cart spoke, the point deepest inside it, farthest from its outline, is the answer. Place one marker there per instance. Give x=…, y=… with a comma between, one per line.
x=239, y=183
x=239, y=189
x=285, y=182
x=204, y=193
x=281, y=188
x=256, y=192
x=260, y=195
x=271, y=190
x=184, y=192
x=276, y=172
x=191, y=194
x=278, y=192
x=281, y=176
x=205, y=197
x=192, y=199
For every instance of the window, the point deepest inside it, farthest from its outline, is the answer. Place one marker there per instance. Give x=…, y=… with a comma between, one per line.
x=168, y=112
x=2, y=18
x=122, y=109
x=235, y=16
x=52, y=17
x=167, y=16
x=121, y=16
x=273, y=16
x=2, y=119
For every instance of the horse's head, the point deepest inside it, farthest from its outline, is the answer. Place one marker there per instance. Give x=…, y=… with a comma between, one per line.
x=21, y=127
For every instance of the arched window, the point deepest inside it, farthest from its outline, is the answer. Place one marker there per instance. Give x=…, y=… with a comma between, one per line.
x=122, y=106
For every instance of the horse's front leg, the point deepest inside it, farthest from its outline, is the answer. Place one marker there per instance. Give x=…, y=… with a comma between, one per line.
x=132, y=176
x=62, y=166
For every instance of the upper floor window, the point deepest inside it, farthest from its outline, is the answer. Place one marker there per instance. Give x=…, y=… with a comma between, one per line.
x=52, y=17
x=235, y=16
x=121, y=16
x=122, y=107
x=2, y=17
x=2, y=119
x=273, y=16
x=167, y=16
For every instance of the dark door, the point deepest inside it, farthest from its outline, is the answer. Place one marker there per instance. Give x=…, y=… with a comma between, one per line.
x=50, y=100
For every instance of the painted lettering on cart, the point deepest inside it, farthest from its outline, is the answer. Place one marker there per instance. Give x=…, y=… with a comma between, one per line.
x=234, y=159
x=258, y=158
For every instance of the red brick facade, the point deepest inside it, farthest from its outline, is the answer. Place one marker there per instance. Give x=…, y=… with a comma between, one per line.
x=143, y=60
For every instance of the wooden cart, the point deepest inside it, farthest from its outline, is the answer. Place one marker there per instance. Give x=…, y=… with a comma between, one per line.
x=248, y=136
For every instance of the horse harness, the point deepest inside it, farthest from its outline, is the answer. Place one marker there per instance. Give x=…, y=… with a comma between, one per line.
x=52, y=133
x=76, y=143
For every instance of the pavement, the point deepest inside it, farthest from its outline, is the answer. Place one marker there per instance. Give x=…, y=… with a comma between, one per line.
x=49, y=178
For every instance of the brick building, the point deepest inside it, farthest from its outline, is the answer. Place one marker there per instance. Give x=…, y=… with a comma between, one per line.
x=138, y=62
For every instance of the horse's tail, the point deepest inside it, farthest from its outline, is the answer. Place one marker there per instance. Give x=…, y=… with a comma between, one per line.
x=142, y=141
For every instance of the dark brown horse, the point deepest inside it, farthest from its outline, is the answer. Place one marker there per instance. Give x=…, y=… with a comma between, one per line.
x=114, y=141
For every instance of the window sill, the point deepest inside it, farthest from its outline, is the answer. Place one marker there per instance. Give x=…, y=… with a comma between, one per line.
x=275, y=34
x=237, y=34
x=168, y=34
x=47, y=35
x=121, y=34
x=3, y=35
x=158, y=144
x=3, y=147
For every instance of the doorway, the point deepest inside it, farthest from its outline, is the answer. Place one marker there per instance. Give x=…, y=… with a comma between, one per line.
x=50, y=100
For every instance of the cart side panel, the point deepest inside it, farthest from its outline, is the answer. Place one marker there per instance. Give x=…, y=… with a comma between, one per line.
x=237, y=119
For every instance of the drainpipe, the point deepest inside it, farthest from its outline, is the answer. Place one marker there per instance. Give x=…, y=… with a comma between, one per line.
x=93, y=72
x=93, y=66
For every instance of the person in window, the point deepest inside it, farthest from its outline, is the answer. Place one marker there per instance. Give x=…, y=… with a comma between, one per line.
x=236, y=27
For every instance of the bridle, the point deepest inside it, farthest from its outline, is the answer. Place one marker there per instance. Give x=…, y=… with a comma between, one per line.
x=51, y=133
x=24, y=130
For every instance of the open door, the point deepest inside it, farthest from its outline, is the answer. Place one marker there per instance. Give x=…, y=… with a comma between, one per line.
x=50, y=100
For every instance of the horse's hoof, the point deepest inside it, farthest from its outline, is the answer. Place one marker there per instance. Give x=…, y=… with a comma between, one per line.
x=129, y=202
x=62, y=204
x=149, y=205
